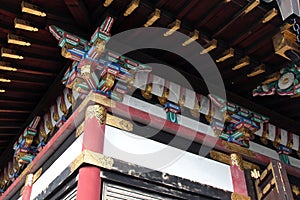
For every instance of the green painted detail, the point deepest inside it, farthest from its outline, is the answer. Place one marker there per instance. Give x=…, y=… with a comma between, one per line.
x=115, y=97
x=172, y=117
x=284, y=158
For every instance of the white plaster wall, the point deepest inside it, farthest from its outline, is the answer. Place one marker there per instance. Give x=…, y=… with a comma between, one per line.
x=57, y=167
x=294, y=162
x=157, y=156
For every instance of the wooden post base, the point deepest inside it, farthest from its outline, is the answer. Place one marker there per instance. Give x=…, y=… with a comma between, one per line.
x=89, y=183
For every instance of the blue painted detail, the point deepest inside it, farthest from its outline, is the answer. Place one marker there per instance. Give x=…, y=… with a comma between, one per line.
x=173, y=106
x=108, y=93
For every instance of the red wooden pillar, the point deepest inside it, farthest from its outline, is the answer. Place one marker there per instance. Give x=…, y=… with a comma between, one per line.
x=238, y=175
x=89, y=182
x=27, y=187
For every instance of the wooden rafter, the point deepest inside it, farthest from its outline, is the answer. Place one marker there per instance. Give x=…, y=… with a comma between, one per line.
x=79, y=12
x=13, y=111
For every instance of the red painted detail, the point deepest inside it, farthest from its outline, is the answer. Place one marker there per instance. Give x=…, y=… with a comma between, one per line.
x=238, y=180
x=27, y=193
x=89, y=183
x=28, y=188
x=93, y=138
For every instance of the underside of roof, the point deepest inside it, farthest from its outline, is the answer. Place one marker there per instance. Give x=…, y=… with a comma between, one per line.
x=35, y=76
